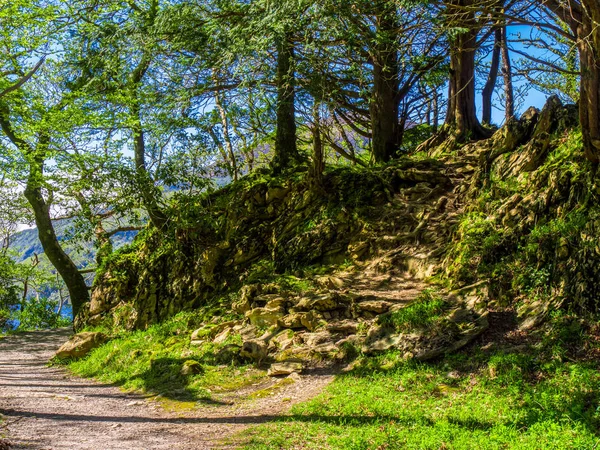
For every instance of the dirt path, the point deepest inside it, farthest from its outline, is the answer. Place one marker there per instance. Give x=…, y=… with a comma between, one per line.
x=47, y=409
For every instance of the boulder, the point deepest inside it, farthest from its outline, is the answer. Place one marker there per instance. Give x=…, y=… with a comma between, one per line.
x=309, y=320
x=374, y=306
x=264, y=317
x=190, y=368
x=254, y=349
x=285, y=368
x=80, y=345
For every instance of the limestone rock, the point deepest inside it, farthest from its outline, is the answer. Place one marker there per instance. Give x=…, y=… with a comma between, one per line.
x=326, y=302
x=325, y=349
x=285, y=368
x=331, y=282
x=242, y=306
x=309, y=320
x=190, y=368
x=314, y=339
x=291, y=321
x=276, y=302
x=223, y=336
x=210, y=331
x=277, y=193
x=80, y=345
x=382, y=344
x=344, y=327
x=283, y=340
x=374, y=306
x=228, y=354
x=255, y=350
x=264, y=317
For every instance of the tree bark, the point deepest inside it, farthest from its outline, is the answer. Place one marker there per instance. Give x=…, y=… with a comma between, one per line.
x=145, y=182
x=384, y=108
x=588, y=42
x=436, y=112
x=286, y=150
x=78, y=290
x=461, y=117
x=583, y=18
x=226, y=136
x=63, y=264
x=318, y=166
x=507, y=74
x=490, y=85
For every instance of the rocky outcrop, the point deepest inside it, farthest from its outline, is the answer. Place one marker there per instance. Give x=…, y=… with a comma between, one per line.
x=531, y=216
x=341, y=324
x=259, y=226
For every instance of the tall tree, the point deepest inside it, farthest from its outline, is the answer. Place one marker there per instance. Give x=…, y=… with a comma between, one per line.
x=461, y=117
x=583, y=17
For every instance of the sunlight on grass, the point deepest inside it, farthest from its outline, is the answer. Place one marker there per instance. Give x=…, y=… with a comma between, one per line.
x=482, y=401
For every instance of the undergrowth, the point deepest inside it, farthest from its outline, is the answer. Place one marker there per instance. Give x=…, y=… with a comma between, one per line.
x=151, y=361
x=506, y=397
x=531, y=236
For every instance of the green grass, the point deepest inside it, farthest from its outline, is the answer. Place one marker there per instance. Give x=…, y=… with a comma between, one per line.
x=150, y=361
x=497, y=400
x=425, y=311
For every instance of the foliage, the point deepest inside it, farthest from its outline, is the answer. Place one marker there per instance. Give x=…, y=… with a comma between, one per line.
x=542, y=260
x=40, y=313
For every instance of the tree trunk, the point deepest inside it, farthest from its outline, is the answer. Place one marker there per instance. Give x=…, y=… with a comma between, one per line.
x=318, y=166
x=507, y=74
x=67, y=269
x=145, y=182
x=588, y=36
x=490, y=85
x=583, y=18
x=286, y=150
x=384, y=104
x=461, y=118
x=63, y=264
x=226, y=136
x=436, y=111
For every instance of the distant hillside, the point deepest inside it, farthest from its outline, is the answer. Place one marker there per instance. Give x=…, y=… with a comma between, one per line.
x=27, y=244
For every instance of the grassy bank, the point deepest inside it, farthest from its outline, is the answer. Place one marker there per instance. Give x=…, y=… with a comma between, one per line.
x=519, y=392
x=154, y=362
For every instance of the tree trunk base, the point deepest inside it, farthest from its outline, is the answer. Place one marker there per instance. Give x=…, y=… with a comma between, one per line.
x=448, y=139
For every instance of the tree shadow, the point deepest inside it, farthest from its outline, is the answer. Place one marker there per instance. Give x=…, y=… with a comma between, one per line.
x=166, y=377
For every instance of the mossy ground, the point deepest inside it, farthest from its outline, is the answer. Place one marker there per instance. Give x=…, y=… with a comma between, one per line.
x=531, y=396
x=150, y=362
